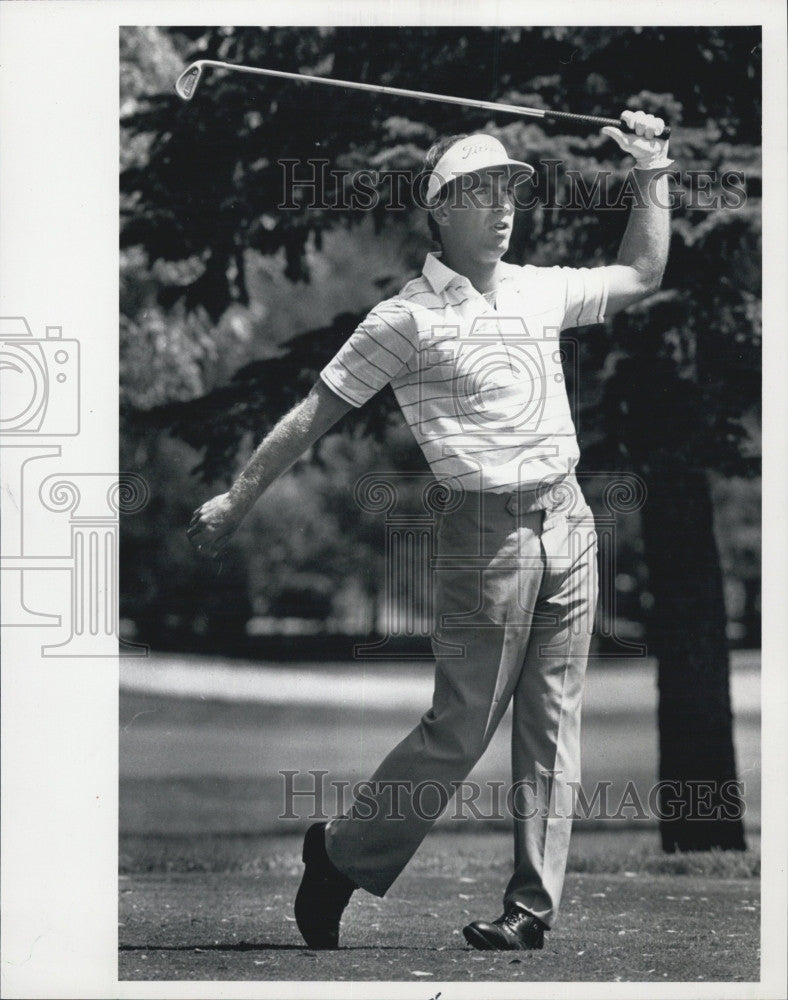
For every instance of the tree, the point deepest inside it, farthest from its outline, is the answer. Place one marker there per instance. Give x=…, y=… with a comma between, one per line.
x=668, y=387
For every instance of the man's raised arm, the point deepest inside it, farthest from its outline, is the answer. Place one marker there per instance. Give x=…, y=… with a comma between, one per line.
x=214, y=522
x=643, y=253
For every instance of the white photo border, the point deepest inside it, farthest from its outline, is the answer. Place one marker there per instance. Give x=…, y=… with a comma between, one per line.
x=58, y=260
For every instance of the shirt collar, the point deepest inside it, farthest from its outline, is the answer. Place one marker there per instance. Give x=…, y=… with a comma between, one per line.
x=436, y=272
x=439, y=275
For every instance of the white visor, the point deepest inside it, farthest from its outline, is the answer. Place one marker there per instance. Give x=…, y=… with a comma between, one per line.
x=470, y=155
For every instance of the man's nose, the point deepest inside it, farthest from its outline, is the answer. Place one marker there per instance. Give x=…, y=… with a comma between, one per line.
x=503, y=202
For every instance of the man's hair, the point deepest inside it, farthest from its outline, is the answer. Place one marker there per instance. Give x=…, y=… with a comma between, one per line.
x=434, y=153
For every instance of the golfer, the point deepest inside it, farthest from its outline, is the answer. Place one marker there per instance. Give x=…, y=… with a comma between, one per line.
x=470, y=348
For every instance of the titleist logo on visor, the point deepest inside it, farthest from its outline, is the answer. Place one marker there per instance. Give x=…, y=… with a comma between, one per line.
x=467, y=148
x=469, y=155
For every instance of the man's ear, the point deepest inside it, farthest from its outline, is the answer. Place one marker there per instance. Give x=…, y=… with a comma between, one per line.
x=440, y=214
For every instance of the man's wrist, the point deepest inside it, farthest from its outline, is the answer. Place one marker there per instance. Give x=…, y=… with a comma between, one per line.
x=660, y=165
x=242, y=496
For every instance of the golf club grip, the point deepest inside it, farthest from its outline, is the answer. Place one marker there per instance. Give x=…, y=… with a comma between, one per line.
x=596, y=120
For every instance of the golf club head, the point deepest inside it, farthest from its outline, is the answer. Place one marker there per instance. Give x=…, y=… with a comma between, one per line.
x=186, y=84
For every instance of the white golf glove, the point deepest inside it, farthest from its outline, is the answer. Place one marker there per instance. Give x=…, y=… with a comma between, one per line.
x=650, y=152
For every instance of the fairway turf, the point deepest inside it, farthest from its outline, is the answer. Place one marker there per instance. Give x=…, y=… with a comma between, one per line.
x=209, y=871
x=626, y=926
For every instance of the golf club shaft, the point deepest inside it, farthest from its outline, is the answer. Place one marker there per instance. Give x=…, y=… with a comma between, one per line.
x=186, y=85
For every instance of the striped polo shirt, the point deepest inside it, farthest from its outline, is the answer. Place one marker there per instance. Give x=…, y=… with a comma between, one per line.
x=478, y=377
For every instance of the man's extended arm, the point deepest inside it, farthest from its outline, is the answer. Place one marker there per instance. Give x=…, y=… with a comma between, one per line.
x=643, y=253
x=214, y=522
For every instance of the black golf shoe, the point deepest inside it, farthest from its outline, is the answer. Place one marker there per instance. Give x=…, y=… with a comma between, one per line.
x=323, y=894
x=515, y=930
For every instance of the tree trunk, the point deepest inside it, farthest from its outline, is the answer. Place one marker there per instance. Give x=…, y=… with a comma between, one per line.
x=751, y=616
x=701, y=809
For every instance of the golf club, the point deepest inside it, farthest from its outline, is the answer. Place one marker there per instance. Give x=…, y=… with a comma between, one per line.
x=187, y=83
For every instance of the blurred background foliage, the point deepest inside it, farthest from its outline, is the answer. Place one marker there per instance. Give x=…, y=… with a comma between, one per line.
x=230, y=305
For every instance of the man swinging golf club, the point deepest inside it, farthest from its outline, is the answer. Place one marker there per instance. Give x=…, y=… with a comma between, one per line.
x=470, y=349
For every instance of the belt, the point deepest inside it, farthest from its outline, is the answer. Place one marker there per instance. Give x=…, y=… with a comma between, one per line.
x=560, y=495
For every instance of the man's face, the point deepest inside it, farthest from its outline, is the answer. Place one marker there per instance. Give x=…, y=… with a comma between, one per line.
x=479, y=213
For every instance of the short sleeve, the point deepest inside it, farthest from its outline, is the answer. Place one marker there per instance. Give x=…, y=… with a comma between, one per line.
x=585, y=295
x=377, y=351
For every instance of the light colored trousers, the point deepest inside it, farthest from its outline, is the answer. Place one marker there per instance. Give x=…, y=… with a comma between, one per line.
x=516, y=589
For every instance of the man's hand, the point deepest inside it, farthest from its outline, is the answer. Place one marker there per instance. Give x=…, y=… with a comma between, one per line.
x=213, y=524
x=649, y=150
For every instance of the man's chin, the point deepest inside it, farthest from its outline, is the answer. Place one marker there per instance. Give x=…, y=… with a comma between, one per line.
x=494, y=254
